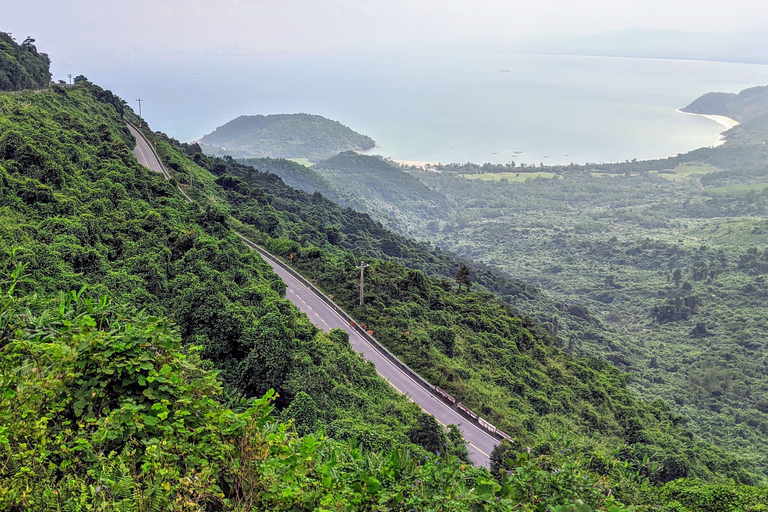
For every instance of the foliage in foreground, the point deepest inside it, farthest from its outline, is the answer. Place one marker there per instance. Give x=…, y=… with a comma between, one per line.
x=79, y=210
x=101, y=408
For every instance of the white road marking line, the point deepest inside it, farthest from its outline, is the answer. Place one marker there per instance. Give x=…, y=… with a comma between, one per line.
x=478, y=429
x=427, y=412
x=390, y=364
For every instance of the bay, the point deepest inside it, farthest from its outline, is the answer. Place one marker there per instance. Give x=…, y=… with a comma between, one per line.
x=444, y=107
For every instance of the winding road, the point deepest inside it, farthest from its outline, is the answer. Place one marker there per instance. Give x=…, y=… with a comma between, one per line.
x=145, y=154
x=480, y=443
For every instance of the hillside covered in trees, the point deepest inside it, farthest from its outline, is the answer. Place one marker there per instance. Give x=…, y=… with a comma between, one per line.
x=149, y=360
x=284, y=136
x=743, y=106
x=654, y=265
x=21, y=65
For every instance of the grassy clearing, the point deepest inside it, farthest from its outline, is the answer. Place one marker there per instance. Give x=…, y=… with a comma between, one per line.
x=740, y=189
x=684, y=171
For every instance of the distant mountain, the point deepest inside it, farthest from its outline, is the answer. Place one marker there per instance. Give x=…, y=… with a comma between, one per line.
x=661, y=44
x=304, y=178
x=284, y=136
x=746, y=105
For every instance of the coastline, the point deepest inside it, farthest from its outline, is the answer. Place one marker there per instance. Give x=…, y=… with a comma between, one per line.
x=414, y=163
x=724, y=121
x=402, y=163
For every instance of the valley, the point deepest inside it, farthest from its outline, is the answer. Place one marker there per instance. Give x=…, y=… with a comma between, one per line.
x=654, y=265
x=150, y=360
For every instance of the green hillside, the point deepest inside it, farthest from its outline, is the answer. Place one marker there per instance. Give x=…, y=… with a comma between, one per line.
x=21, y=65
x=284, y=136
x=398, y=314
x=658, y=264
x=743, y=106
x=303, y=178
x=138, y=336
x=380, y=184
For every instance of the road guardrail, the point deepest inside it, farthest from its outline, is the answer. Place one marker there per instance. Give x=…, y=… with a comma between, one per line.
x=373, y=342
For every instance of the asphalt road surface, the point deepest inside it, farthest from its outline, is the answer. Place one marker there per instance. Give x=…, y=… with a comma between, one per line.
x=147, y=157
x=479, y=442
x=144, y=153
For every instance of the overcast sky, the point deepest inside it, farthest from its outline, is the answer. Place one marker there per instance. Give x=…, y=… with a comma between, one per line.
x=71, y=28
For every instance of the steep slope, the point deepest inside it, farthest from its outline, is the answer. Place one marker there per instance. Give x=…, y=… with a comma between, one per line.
x=21, y=65
x=305, y=179
x=78, y=210
x=284, y=136
x=380, y=184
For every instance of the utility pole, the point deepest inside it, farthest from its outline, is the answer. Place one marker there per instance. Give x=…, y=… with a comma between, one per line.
x=139, y=100
x=70, y=78
x=362, y=269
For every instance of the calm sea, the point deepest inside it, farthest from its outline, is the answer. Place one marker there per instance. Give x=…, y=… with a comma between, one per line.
x=445, y=107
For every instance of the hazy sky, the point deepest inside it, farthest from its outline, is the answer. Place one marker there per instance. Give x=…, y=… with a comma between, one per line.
x=72, y=28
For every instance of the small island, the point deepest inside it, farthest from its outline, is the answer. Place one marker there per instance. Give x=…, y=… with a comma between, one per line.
x=284, y=136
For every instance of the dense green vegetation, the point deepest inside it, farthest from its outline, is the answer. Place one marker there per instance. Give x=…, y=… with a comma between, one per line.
x=21, y=66
x=142, y=389
x=380, y=183
x=103, y=408
x=84, y=212
x=470, y=344
x=659, y=267
x=284, y=136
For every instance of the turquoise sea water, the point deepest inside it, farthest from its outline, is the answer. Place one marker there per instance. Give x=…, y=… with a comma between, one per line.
x=445, y=107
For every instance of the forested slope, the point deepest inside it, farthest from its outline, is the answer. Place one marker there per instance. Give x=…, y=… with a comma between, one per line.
x=284, y=136
x=660, y=264
x=126, y=391
x=303, y=178
x=21, y=65
x=743, y=106
x=381, y=184
x=78, y=210
x=425, y=320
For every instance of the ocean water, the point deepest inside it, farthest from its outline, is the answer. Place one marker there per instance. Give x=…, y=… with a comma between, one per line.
x=443, y=107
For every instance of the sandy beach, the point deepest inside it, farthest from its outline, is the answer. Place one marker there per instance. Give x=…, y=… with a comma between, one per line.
x=403, y=163
x=414, y=163
x=724, y=121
